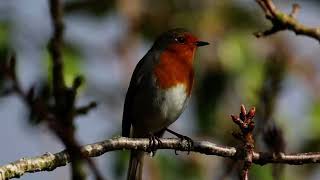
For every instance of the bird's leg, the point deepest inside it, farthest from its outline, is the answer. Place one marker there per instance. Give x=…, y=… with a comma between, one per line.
x=182, y=137
x=154, y=141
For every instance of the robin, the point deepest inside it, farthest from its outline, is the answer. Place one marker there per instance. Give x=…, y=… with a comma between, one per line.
x=159, y=90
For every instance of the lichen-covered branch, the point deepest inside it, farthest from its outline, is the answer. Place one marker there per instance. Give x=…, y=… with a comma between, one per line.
x=49, y=162
x=282, y=21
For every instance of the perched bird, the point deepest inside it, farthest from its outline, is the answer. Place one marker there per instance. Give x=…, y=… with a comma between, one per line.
x=159, y=90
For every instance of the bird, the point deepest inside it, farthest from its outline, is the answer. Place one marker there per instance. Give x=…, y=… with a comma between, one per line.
x=159, y=90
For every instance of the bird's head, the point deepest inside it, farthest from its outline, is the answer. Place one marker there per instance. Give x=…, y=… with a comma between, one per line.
x=179, y=41
x=177, y=48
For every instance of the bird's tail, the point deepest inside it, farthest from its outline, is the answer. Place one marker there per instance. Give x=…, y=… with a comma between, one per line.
x=135, y=165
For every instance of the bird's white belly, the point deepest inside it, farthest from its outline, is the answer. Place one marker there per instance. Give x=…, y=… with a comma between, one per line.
x=165, y=108
x=172, y=102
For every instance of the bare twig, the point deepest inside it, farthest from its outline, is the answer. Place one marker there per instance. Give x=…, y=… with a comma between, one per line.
x=55, y=48
x=282, y=21
x=85, y=109
x=64, y=97
x=43, y=110
x=49, y=162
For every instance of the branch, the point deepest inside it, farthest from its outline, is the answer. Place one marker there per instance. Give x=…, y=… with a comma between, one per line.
x=39, y=107
x=282, y=21
x=49, y=162
x=63, y=127
x=55, y=47
x=65, y=97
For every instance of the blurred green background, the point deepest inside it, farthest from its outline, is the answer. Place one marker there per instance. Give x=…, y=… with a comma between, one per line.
x=104, y=39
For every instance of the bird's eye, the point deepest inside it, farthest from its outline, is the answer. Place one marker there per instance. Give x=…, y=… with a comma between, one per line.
x=180, y=39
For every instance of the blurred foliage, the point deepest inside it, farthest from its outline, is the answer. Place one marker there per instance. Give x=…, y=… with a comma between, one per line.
x=261, y=172
x=72, y=64
x=120, y=164
x=315, y=116
x=4, y=35
x=94, y=7
x=237, y=67
x=163, y=15
x=208, y=96
x=172, y=168
x=44, y=93
x=5, y=50
x=312, y=143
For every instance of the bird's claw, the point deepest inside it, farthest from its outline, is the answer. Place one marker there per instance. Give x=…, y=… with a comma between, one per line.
x=182, y=138
x=189, y=142
x=154, y=142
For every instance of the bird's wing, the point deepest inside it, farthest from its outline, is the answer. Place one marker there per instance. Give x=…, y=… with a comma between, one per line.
x=135, y=85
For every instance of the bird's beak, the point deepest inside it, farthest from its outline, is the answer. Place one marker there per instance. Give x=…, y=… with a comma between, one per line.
x=201, y=43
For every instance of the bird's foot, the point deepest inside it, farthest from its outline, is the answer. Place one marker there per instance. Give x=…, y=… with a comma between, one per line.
x=182, y=138
x=154, y=142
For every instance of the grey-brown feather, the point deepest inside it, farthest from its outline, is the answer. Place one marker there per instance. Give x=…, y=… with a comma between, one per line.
x=137, y=83
x=135, y=165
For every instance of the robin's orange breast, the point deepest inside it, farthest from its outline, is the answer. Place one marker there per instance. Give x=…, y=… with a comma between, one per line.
x=175, y=68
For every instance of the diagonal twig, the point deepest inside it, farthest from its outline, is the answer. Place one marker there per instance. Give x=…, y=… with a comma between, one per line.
x=282, y=21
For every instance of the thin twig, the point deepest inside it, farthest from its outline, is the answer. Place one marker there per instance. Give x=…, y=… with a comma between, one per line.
x=85, y=109
x=282, y=21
